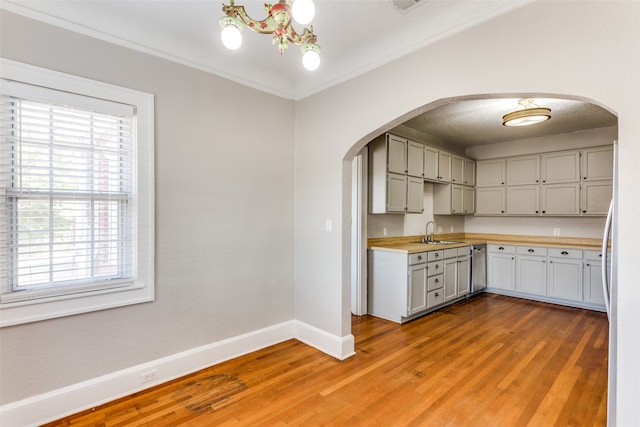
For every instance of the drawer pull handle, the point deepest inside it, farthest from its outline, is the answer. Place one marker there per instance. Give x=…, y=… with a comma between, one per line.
x=531, y=251
x=437, y=255
x=419, y=257
x=437, y=294
x=501, y=248
x=564, y=253
x=436, y=280
x=600, y=255
x=437, y=266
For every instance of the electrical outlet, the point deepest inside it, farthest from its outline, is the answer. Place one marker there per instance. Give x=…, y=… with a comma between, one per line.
x=149, y=376
x=329, y=225
x=384, y=231
x=556, y=231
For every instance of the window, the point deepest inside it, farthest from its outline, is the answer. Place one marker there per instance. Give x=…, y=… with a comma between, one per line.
x=76, y=213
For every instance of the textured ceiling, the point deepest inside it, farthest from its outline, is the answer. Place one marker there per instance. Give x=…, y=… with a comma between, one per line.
x=355, y=35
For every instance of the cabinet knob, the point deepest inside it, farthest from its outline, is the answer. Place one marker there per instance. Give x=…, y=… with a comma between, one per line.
x=544, y=211
x=437, y=266
x=419, y=257
x=536, y=211
x=437, y=294
x=439, y=280
x=584, y=211
x=536, y=180
x=588, y=265
x=437, y=255
x=544, y=180
x=502, y=211
x=584, y=177
x=502, y=183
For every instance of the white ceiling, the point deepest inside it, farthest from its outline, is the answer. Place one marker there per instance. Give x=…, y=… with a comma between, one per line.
x=355, y=36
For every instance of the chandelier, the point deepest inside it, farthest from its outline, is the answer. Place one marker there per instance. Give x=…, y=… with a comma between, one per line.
x=277, y=23
x=526, y=113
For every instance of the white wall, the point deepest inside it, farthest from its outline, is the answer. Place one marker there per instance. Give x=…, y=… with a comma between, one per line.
x=224, y=217
x=586, y=49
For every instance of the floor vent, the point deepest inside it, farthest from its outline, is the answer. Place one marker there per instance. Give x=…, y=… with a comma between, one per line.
x=404, y=6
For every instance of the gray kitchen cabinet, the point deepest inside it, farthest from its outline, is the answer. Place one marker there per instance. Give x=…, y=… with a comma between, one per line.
x=431, y=156
x=523, y=200
x=560, y=199
x=490, y=200
x=415, y=159
x=415, y=195
x=463, y=271
x=450, y=279
x=501, y=267
x=453, y=199
x=391, y=189
x=592, y=290
x=396, y=154
x=444, y=166
x=531, y=270
x=417, y=297
x=565, y=274
x=560, y=167
x=597, y=163
x=595, y=197
x=523, y=170
x=490, y=173
x=457, y=170
x=457, y=272
x=469, y=172
x=468, y=200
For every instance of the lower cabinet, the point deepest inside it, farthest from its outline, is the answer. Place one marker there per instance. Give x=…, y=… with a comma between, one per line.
x=559, y=275
x=404, y=286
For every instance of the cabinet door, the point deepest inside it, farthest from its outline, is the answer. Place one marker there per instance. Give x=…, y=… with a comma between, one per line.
x=490, y=200
x=565, y=279
x=396, y=192
x=444, y=166
x=523, y=200
x=523, y=170
x=468, y=200
x=417, y=289
x=415, y=195
x=490, y=173
x=431, y=163
x=457, y=170
x=463, y=275
x=561, y=199
x=457, y=199
x=593, y=292
x=396, y=154
x=595, y=197
x=563, y=166
x=531, y=275
x=415, y=159
x=597, y=163
x=501, y=272
x=450, y=279
x=469, y=172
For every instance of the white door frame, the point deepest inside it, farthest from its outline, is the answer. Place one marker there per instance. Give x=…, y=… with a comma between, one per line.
x=359, y=233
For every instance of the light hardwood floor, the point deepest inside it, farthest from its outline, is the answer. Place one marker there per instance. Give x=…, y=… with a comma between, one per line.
x=488, y=361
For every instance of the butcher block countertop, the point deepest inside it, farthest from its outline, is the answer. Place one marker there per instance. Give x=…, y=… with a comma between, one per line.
x=411, y=244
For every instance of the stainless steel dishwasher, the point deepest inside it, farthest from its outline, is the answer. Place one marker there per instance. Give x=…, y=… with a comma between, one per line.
x=479, y=268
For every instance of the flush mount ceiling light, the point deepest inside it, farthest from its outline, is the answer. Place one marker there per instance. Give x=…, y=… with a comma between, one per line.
x=278, y=24
x=526, y=113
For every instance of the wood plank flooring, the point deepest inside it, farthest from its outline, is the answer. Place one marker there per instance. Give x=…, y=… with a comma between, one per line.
x=488, y=361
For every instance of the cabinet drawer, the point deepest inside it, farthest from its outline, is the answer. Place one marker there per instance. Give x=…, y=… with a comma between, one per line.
x=434, y=282
x=434, y=268
x=417, y=258
x=465, y=250
x=502, y=249
x=435, y=298
x=451, y=253
x=595, y=255
x=565, y=253
x=531, y=250
x=434, y=255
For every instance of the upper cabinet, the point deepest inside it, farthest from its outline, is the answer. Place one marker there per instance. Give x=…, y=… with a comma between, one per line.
x=523, y=170
x=469, y=172
x=457, y=170
x=431, y=156
x=490, y=173
x=396, y=154
x=560, y=167
x=415, y=159
x=597, y=163
x=444, y=166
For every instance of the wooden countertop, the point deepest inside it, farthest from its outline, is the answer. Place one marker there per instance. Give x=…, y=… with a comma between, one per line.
x=411, y=244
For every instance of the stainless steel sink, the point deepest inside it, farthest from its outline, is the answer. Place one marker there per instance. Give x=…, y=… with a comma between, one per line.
x=440, y=242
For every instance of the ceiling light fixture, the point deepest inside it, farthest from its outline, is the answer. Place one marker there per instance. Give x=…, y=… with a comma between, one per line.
x=526, y=113
x=277, y=23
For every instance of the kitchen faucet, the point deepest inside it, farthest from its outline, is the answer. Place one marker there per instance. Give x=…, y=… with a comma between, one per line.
x=429, y=237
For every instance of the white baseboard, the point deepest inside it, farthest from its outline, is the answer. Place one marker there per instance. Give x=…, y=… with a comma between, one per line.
x=68, y=400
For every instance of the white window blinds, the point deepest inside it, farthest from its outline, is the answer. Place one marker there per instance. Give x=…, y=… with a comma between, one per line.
x=66, y=176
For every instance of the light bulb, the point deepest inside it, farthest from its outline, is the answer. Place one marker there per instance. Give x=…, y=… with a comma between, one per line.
x=311, y=59
x=231, y=37
x=303, y=11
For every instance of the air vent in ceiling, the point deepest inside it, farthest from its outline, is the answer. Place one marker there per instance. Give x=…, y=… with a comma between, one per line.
x=404, y=6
